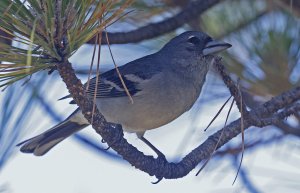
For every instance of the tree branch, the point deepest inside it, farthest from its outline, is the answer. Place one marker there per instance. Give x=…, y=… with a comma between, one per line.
x=192, y=10
x=288, y=129
x=231, y=85
x=113, y=134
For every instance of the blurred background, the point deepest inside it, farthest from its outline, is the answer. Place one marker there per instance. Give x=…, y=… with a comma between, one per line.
x=265, y=35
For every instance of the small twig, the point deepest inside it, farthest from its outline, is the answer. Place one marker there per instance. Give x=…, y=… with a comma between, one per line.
x=234, y=151
x=278, y=117
x=234, y=90
x=236, y=93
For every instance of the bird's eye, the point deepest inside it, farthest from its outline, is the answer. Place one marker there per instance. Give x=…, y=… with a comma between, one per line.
x=208, y=39
x=194, y=40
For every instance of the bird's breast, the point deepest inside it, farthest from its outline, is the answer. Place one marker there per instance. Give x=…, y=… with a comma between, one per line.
x=161, y=101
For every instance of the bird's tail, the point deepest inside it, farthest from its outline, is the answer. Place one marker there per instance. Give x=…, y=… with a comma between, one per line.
x=41, y=144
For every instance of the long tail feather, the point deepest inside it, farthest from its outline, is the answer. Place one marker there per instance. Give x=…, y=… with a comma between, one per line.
x=42, y=143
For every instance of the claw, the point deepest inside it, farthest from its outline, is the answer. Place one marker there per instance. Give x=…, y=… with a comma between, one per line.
x=158, y=180
x=103, y=141
x=162, y=159
x=107, y=148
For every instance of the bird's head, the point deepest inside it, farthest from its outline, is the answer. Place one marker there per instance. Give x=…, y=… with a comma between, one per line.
x=193, y=44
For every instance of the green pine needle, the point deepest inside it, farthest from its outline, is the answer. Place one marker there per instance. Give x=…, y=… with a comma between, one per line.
x=47, y=32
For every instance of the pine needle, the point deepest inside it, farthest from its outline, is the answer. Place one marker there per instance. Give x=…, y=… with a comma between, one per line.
x=221, y=135
x=243, y=135
x=218, y=113
x=117, y=69
x=97, y=74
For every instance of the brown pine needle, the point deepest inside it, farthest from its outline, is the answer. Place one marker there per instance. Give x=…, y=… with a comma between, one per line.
x=230, y=108
x=120, y=17
x=243, y=136
x=92, y=63
x=218, y=113
x=222, y=132
x=117, y=69
x=97, y=74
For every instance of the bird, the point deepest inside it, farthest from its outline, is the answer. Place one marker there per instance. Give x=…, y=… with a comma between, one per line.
x=163, y=86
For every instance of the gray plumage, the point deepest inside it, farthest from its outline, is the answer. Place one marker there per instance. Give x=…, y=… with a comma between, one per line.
x=163, y=86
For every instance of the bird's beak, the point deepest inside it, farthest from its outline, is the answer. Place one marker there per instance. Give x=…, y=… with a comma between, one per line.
x=214, y=47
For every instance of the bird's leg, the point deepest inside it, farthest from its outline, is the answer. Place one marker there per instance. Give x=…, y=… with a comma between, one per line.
x=159, y=153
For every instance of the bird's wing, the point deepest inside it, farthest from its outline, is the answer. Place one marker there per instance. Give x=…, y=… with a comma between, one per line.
x=133, y=74
x=110, y=85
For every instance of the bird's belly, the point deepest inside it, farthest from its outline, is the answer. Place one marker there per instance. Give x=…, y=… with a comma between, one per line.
x=146, y=113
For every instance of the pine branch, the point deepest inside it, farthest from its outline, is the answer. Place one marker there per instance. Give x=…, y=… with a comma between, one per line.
x=113, y=135
x=192, y=10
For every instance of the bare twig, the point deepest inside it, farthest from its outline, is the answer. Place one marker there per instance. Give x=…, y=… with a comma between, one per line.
x=234, y=90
